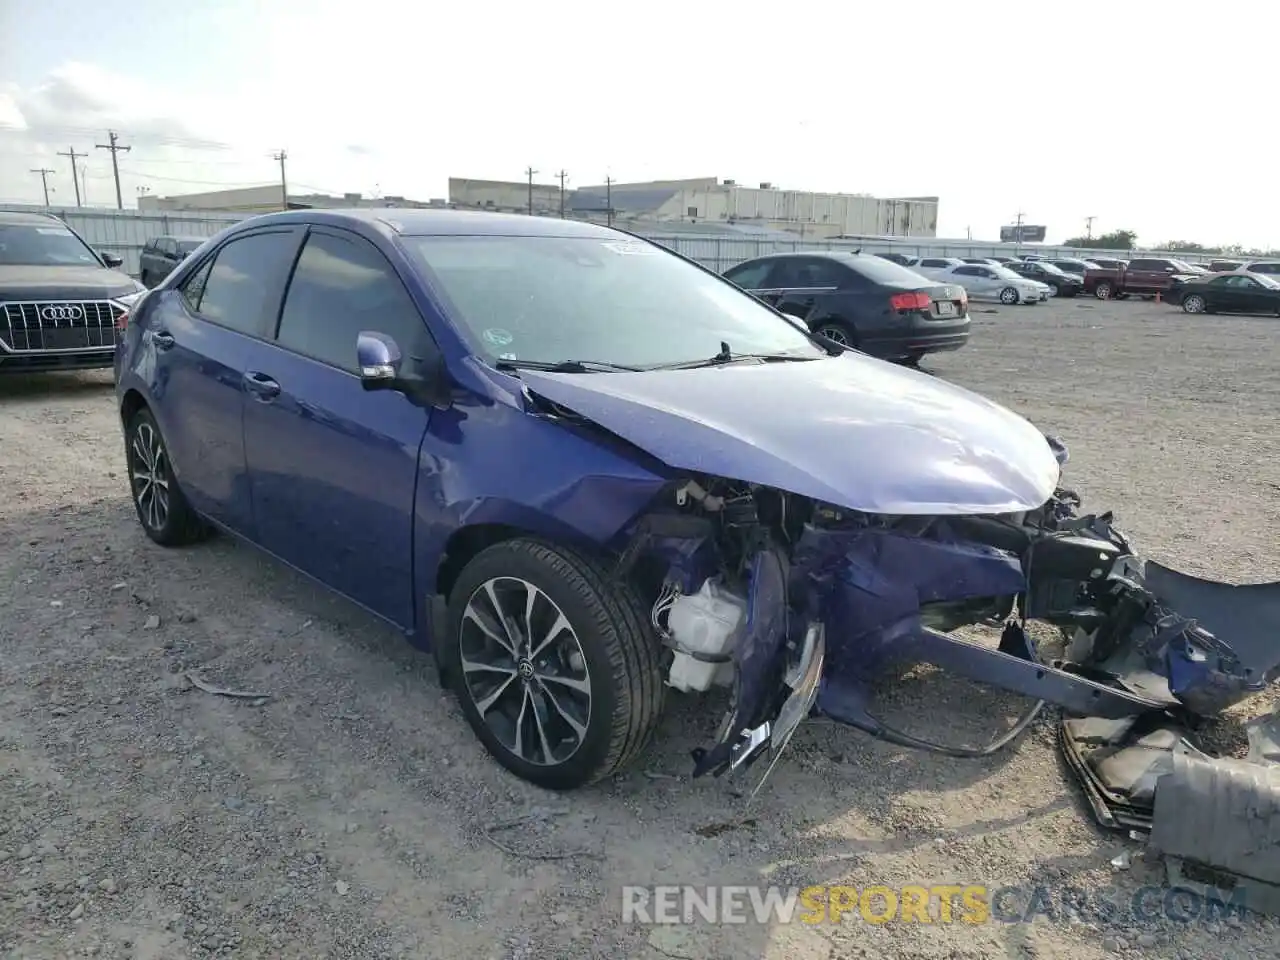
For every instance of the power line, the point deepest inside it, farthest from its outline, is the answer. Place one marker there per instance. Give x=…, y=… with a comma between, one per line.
x=75, y=179
x=282, y=156
x=529, y=172
x=44, y=181
x=115, y=149
x=562, y=177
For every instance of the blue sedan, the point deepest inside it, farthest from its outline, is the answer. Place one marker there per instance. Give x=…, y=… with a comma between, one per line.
x=581, y=469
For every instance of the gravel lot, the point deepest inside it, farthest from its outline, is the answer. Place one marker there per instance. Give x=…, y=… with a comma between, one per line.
x=348, y=814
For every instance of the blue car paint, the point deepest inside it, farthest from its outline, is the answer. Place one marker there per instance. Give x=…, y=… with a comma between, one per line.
x=364, y=491
x=849, y=430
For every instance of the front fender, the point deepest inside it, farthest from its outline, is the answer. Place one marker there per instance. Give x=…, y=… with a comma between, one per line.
x=497, y=464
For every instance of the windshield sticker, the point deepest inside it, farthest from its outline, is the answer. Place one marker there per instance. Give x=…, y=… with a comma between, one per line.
x=498, y=337
x=631, y=249
x=54, y=231
x=507, y=356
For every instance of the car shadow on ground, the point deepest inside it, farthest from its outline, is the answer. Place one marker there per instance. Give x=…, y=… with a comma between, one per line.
x=24, y=386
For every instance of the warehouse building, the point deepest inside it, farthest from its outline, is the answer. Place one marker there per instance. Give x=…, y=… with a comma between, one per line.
x=268, y=198
x=711, y=200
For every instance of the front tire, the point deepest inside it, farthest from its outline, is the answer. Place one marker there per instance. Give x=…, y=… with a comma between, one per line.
x=162, y=508
x=553, y=663
x=1103, y=291
x=1054, y=290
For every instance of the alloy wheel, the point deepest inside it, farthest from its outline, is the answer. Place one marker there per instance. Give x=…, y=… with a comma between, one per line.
x=1008, y=295
x=149, y=475
x=1193, y=304
x=525, y=671
x=835, y=334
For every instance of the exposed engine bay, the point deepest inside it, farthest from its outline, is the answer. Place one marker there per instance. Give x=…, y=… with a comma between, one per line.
x=798, y=606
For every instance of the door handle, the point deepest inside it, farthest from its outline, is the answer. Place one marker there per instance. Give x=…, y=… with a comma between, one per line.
x=162, y=339
x=261, y=385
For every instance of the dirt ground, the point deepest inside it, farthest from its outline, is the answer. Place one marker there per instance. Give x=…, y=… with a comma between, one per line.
x=350, y=812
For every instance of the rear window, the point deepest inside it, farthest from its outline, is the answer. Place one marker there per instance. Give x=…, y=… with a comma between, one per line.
x=882, y=271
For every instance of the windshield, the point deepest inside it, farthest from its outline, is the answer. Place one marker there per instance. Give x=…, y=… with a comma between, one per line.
x=186, y=246
x=42, y=245
x=1183, y=267
x=553, y=299
x=1050, y=269
x=1268, y=282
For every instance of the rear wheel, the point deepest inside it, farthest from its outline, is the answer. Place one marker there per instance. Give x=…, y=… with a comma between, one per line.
x=840, y=333
x=163, y=510
x=553, y=663
x=1009, y=295
x=1103, y=290
x=1193, y=303
x=1054, y=290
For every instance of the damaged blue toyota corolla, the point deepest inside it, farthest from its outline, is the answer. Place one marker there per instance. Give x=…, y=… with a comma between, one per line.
x=583, y=468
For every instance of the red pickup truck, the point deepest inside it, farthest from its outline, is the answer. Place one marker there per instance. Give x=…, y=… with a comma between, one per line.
x=1142, y=277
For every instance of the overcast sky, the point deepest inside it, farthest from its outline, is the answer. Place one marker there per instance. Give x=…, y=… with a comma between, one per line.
x=1149, y=116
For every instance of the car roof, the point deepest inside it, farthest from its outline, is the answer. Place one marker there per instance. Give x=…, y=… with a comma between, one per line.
x=13, y=217
x=416, y=222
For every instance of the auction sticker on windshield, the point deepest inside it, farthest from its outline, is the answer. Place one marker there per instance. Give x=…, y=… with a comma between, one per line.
x=53, y=231
x=631, y=249
x=498, y=337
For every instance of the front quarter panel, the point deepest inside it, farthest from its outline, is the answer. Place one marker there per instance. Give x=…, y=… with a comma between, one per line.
x=486, y=462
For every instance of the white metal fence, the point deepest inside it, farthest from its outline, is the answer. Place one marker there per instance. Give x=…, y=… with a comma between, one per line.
x=124, y=232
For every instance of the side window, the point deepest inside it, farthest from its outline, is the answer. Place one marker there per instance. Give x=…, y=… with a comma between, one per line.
x=934, y=263
x=193, y=288
x=750, y=276
x=1271, y=268
x=149, y=246
x=245, y=276
x=967, y=271
x=341, y=287
x=823, y=273
x=984, y=272
x=167, y=246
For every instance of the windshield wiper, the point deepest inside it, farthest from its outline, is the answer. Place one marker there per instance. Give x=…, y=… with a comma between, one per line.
x=563, y=366
x=728, y=356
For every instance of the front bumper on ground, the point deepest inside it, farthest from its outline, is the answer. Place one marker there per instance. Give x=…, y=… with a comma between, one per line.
x=1152, y=653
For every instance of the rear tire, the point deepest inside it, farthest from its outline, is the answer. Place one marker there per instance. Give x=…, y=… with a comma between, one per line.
x=583, y=691
x=1055, y=290
x=1009, y=296
x=838, y=332
x=162, y=508
x=1193, y=303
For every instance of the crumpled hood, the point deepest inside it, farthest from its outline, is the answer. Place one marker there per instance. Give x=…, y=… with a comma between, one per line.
x=851, y=431
x=71, y=282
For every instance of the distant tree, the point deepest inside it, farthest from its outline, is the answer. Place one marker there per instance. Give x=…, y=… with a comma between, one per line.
x=1115, y=240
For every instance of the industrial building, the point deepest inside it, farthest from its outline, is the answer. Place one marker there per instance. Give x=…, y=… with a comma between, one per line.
x=268, y=198
x=710, y=200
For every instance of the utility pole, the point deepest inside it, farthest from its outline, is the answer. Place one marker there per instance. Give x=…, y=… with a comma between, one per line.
x=75, y=177
x=44, y=181
x=1088, y=227
x=529, y=172
x=282, y=156
x=115, y=149
x=1017, y=232
x=608, y=198
x=562, y=175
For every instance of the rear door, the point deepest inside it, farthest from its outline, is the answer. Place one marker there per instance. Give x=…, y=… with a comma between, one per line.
x=333, y=466
x=807, y=287
x=204, y=336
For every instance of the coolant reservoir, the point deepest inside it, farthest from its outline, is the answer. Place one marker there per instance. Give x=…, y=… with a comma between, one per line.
x=710, y=623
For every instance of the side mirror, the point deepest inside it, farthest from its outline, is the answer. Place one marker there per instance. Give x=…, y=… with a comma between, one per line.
x=381, y=361
x=112, y=260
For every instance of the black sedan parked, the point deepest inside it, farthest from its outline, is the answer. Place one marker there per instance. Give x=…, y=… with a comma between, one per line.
x=1061, y=283
x=1228, y=293
x=864, y=301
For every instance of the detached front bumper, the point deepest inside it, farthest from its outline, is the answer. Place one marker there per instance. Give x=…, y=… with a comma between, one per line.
x=1150, y=650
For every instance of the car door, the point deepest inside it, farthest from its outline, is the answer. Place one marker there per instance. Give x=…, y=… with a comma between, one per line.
x=203, y=335
x=987, y=284
x=333, y=466
x=808, y=287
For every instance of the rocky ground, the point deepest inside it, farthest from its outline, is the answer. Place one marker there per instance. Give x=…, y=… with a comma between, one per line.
x=348, y=812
